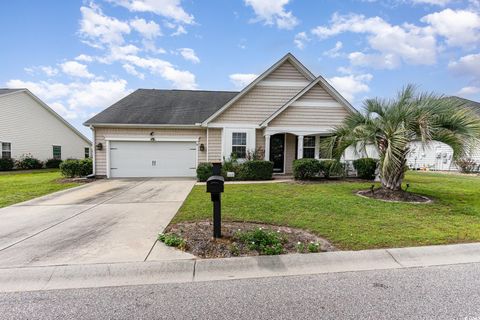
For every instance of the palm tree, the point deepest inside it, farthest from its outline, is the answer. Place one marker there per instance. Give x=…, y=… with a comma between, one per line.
x=391, y=125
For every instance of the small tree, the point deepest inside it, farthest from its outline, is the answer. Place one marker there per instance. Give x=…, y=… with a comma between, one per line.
x=391, y=125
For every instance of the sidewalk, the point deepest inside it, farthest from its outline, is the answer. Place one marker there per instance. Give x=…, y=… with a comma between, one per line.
x=176, y=271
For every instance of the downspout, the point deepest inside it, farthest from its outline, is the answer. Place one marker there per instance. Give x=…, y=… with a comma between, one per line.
x=208, y=146
x=93, y=150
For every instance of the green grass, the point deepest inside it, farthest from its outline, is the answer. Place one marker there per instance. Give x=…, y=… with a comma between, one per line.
x=333, y=211
x=21, y=186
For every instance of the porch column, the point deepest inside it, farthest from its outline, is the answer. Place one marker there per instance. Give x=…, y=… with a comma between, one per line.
x=300, y=147
x=267, y=147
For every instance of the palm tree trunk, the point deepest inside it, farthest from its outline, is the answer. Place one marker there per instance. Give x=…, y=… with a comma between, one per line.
x=392, y=179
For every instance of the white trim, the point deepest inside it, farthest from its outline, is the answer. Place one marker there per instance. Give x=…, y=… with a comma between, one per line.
x=284, y=152
x=144, y=125
x=317, y=147
x=267, y=147
x=107, y=142
x=300, y=67
x=94, y=150
x=300, y=147
x=233, y=125
x=208, y=147
x=46, y=107
x=283, y=83
x=227, y=139
x=305, y=131
x=316, y=103
x=157, y=139
x=327, y=88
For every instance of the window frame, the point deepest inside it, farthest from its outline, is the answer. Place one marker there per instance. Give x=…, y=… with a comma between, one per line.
x=4, y=150
x=309, y=148
x=86, y=152
x=242, y=144
x=58, y=157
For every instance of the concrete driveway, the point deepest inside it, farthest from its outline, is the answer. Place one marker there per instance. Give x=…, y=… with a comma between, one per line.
x=101, y=222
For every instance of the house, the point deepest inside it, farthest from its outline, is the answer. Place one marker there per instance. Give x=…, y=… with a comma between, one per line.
x=159, y=133
x=437, y=155
x=29, y=126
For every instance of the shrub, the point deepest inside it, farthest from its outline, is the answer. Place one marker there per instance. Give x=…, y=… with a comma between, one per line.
x=366, y=168
x=230, y=165
x=257, y=154
x=304, y=169
x=331, y=168
x=313, y=247
x=53, y=163
x=6, y=164
x=256, y=170
x=71, y=168
x=265, y=242
x=172, y=240
x=204, y=171
x=28, y=162
x=467, y=165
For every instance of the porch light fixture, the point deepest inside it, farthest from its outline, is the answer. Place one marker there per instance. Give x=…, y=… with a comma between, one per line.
x=202, y=147
x=99, y=146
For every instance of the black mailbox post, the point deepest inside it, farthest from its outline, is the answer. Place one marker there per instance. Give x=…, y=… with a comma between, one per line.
x=215, y=188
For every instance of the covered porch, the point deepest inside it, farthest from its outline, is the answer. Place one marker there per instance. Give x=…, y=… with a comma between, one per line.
x=282, y=147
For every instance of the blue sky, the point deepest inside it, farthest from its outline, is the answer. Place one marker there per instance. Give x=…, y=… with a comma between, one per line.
x=82, y=56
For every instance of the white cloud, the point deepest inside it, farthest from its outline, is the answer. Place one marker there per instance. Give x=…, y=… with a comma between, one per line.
x=76, y=69
x=377, y=61
x=189, y=55
x=241, y=80
x=96, y=27
x=273, y=12
x=351, y=85
x=148, y=30
x=75, y=99
x=84, y=58
x=131, y=70
x=433, y=2
x=300, y=39
x=469, y=91
x=468, y=65
x=409, y=43
x=171, y=9
x=180, y=30
x=460, y=27
x=335, y=51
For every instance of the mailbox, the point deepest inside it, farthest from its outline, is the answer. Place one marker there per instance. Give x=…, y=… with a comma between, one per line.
x=215, y=184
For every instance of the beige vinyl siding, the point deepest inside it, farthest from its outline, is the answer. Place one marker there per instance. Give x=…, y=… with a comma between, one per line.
x=290, y=152
x=286, y=71
x=322, y=111
x=263, y=100
x=32, y=129
x=215, y=145
x=259, y=139
x=100, y=133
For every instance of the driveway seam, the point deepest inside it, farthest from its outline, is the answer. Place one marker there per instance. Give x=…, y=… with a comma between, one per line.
x=69, y=218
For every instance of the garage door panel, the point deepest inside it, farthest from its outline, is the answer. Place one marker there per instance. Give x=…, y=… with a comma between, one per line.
x=152, y=159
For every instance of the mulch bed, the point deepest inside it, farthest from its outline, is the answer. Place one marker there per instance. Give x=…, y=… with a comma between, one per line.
x=199, y=240
x=394, y=196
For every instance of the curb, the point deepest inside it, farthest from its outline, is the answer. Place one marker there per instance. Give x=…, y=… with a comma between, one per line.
x=181, y=271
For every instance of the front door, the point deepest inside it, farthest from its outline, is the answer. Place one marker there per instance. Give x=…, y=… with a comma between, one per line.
x=277, y=152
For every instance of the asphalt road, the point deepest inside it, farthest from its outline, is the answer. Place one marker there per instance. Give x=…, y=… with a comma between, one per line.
x=448, y=292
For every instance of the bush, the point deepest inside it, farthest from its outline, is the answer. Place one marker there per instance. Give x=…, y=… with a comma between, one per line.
x=172, y=240
x=6, y=164
x=230, y=165
x=28, y=162
x=71, y=168
x=256, y=170
x=53, y=163
x=366, y=168
x=467, y=165
x=204, y=171
x=331, y=168
x=265, y=242
x=304, y=169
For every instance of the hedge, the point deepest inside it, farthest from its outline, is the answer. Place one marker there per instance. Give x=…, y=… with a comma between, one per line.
x=204, y=171
x=53, y=163
x=6, y=164
x=366, y=168
x=331, y=168
x=256, y=170
x=304, y=169
x=71, y=168
x=28, y=162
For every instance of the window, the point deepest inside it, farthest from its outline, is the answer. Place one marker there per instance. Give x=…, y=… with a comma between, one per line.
x=309, y=147
x=239, y=144
x=57, y=152
x=6, y=150
x=87, y=153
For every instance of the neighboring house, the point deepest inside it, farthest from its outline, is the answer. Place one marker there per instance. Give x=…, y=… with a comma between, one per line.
x=437, y=155
x=159, y=133
x=29, y=126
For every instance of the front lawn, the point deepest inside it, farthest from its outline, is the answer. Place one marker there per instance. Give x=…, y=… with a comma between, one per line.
x=332, y=210
x=25, y=185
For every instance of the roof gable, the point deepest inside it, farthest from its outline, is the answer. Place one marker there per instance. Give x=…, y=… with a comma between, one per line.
x=288, y=65
x=317, y=90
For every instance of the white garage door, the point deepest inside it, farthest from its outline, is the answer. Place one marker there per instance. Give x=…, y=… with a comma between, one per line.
x=152, y=159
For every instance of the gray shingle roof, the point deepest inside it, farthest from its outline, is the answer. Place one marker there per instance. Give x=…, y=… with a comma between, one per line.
x=6, y=91
x=150, y=106
x=475, y=106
